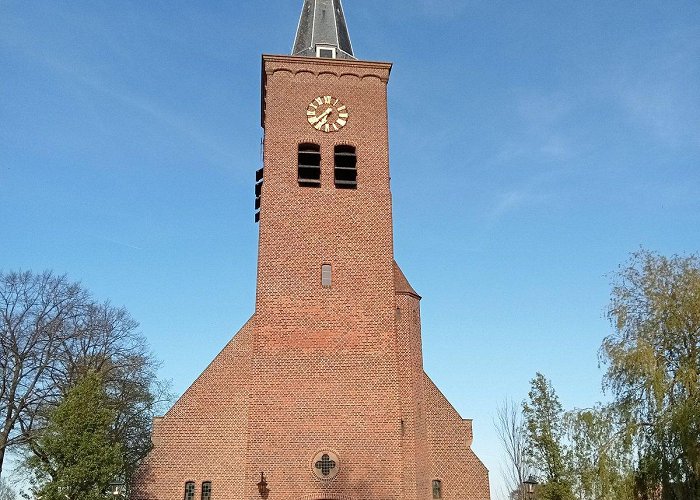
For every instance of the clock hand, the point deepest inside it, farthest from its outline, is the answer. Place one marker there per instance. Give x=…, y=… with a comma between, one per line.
x=323, y=115
x=321, y=123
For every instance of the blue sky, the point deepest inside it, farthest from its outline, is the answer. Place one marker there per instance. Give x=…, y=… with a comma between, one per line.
x=534, y=145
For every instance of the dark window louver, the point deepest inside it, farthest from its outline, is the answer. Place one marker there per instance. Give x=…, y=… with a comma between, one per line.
x=345, y=167
x=258, y=192
x=309, y=165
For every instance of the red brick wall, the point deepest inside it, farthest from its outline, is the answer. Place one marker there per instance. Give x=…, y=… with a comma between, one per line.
x=453, y=462
x=415, y=467
x=203, y=436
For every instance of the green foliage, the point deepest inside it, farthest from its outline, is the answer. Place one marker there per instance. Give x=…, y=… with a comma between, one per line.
x=645, y=445
x=546, y=453
x=75, y=456
x=581, y=451
x=653, y=360
x=601, y=454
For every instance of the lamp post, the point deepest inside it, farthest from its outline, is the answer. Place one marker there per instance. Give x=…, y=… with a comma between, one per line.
x=530, y=484
x=117, y=490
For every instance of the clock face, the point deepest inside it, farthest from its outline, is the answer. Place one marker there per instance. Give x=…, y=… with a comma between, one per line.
x=327, y=114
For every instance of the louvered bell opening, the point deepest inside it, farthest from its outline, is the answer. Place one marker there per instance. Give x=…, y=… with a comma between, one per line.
x=258, y=192
x=345, y=167
x=309, y=165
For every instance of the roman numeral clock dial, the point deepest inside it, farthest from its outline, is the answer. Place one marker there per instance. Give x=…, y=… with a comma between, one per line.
x=327, y=114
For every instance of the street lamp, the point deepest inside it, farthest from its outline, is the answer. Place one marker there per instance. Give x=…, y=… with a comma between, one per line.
x=117, y=489
x=530, y=484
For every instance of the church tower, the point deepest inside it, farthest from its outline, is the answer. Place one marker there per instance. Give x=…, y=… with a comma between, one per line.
x=322, y=394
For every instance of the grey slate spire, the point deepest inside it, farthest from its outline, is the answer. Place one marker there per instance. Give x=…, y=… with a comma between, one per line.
x=322, y=31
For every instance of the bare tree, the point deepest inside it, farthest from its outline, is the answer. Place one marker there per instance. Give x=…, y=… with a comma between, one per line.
x=76, y=336
x=510, y=428
x=35, y=314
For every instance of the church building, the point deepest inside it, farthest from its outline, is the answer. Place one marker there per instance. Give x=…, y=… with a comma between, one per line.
x=321, y=395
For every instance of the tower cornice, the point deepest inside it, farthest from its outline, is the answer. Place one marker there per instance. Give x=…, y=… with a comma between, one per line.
x=272, y=64
x=306, y=63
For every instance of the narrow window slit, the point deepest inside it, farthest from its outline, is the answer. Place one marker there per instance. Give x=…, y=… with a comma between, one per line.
x=437, y=488
x=326, y=275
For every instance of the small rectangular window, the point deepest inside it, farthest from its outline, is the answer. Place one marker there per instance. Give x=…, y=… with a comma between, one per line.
x=189, y=490
x=326, y=275
x=206, y=490
x=437, y=488
x=325, y=52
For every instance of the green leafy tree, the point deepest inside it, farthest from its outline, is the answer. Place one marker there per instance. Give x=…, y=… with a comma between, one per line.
x=76, y=456
x=601, y=454
x=653, y=359
x=546, y=451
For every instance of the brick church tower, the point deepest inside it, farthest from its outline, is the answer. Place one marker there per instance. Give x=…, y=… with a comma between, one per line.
x=322, y=394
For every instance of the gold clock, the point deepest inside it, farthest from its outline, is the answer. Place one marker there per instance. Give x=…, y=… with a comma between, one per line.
x=327, y=114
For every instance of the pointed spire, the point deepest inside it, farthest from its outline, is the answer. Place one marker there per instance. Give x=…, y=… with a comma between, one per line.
x=322, y=31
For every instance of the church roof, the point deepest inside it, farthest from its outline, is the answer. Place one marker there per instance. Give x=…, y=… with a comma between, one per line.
x=322, y=25
x=401, y=284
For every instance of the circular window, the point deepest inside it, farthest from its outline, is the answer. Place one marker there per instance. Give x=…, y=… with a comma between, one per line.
x=325, y=465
